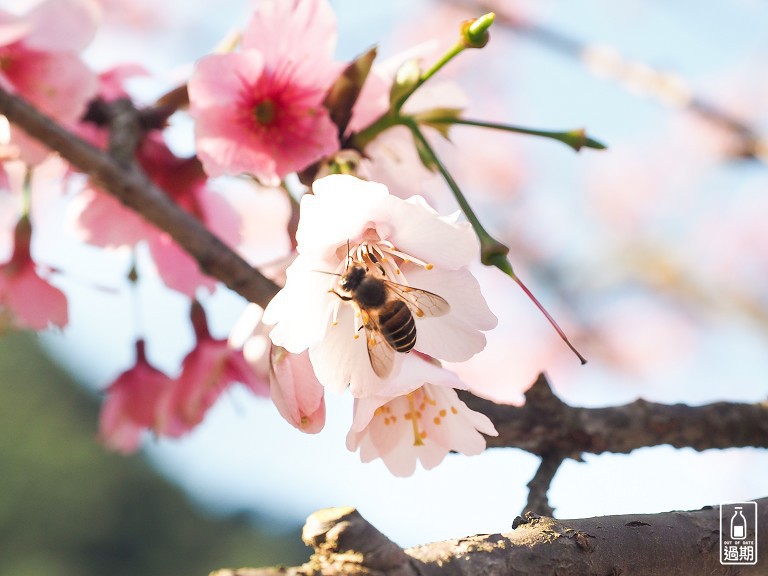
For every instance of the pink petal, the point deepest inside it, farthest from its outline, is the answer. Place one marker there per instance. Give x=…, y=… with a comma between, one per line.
x=92, y=215
x=219, y=80
x=296, y=392
x=58, y=84
x=302, y=31
x=178, y=270
x=34, y=303
x=63, y=25
x=131, y=404
x=12, y=27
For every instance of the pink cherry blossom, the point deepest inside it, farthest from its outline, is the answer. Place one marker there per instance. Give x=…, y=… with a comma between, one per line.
x=39, y=56
x=207, y=371
x=260, y=110
x=295, y=391
x=26, y=299
x=421, y=426
x=101, y=220
x=404, y=242
x=132, y=404
x=298, y=395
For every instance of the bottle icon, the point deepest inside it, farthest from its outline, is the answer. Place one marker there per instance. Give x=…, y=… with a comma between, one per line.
x=738, y=525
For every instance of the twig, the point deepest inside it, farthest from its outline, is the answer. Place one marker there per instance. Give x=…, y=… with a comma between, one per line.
x=539, y=485
x=132, y=187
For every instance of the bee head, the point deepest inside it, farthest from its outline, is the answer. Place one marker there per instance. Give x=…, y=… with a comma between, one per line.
x=352, y=278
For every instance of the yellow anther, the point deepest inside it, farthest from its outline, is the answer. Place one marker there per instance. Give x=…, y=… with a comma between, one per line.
x=443, y=413
x=453, y=410
x=428, y=267
x=356, y=336
x=436, y=420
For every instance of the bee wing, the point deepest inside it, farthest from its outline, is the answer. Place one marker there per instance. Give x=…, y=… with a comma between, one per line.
x=380, y=353
x=420, y=302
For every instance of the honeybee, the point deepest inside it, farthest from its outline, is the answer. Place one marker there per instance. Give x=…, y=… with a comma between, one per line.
x=387, y=310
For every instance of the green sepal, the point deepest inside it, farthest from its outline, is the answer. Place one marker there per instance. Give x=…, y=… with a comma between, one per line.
x=445, y=115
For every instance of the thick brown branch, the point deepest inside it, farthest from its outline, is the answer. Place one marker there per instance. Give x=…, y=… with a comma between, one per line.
x=649, y=544
x=135, y=190
x=545, y=425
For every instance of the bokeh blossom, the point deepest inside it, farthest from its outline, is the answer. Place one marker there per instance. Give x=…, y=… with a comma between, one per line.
x=132, y=404
x=27, y=300
x=101, y=220
x=404, y=242
x=40, y=61
x=260, y=110
x=209, y=369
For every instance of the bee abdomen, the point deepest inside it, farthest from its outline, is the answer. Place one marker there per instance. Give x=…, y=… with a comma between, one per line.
x=397, y=326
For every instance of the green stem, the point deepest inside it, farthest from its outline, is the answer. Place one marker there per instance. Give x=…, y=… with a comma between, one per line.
x=457, y=49
x=492, y=252
x=490, y=247
x=360, y=140
x=576, y=139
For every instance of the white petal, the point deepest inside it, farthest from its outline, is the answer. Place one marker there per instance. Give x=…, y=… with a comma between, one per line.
x=340, y=209
x=462, y=291
x=245, y=325
x=300, y=311
x=340, y=359
x=455, y=337
x=401, y=459
x=418, y=230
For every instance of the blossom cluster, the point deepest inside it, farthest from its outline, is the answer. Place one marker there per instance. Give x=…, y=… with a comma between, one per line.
x=377, y=291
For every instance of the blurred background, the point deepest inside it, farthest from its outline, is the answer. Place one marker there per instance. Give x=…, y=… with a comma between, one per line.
x=653, y=255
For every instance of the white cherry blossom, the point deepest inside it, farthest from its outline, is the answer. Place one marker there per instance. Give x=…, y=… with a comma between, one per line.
x=421, y=426
x=348, y=222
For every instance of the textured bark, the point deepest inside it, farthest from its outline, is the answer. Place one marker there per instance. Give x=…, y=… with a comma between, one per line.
x=546, y=426
x=648, y=544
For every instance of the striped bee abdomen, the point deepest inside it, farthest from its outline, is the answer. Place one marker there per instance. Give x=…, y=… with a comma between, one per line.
x=397, y=325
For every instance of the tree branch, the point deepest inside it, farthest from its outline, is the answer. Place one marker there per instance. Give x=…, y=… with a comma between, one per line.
x=545, y=425
x=539, y=485
x=132, y=187
x=649, y=544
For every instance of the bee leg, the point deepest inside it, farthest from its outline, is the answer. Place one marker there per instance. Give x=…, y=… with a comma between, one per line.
x=345, y=298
